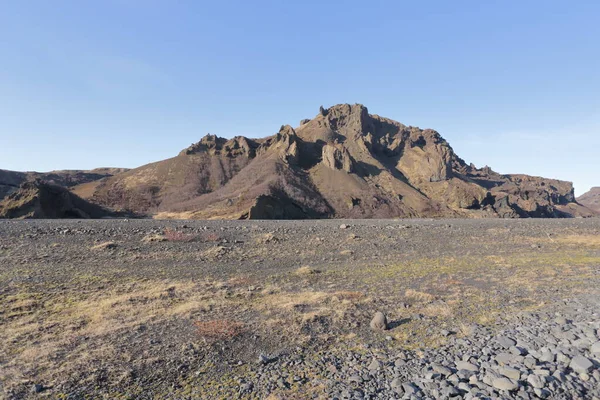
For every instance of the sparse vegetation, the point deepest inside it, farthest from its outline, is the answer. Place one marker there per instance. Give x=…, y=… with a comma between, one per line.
x=137, y=311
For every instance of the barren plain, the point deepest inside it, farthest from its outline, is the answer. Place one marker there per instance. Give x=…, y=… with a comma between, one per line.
x=150, y=309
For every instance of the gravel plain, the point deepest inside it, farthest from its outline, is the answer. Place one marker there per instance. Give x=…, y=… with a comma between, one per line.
x=281, y=309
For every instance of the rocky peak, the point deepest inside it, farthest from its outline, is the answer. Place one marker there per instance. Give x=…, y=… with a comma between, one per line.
x=208, y=142
x=285, y=143
x=349, y=120
x=215, y=145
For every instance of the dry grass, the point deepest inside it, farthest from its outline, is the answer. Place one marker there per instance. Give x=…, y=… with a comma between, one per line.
x=579, y=240
x=105, y=246
x=215, y=252
x=437, y=309
x=267, y=238
x=35, y=330
x=416, y=296
x=306, y=270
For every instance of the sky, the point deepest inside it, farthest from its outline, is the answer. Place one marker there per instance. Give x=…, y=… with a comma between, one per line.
x=510, y=84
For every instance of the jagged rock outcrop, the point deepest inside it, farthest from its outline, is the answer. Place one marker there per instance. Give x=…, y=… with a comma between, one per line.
x=286, y=142
x=213, y=145
x=337, y=157
x=38, y=199
x=426, y=157
x=342, y=163
x=591, y=199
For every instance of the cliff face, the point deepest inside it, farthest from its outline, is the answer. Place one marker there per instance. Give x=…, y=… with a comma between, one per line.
x=343, y=163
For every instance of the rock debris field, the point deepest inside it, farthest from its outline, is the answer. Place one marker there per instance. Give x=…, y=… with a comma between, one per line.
x=328, y=309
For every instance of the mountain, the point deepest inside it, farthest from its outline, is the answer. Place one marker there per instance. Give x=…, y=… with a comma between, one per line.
x=591, y=199
x=343, y=163
x=11, y=180
x=39, y=199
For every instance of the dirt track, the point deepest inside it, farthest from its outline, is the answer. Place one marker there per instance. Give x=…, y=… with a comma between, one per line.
x=178, y=309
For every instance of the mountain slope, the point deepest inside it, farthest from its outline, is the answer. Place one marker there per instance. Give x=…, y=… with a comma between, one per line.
x=344, y=163
x=591, y=199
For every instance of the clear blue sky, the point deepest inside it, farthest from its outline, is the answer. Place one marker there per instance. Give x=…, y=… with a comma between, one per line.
x=512, y=84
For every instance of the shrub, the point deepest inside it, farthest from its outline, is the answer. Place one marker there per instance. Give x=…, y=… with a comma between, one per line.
x=172, y=235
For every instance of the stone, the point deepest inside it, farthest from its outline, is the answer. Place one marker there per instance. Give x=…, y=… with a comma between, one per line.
x=506, y=342
x=595, y=348
x=504, y=384
x=379, y=322
x=536, y=381
x=509, y=372
x=397, y=384
x=399, y=363
x=440, y=369
x=467, y=366
x=37, y=388
x=409, y=389
x=375, y=365
x=541, y=393
x=262, y=359
x=505, y=358
x=581, y=364
x=247, y=387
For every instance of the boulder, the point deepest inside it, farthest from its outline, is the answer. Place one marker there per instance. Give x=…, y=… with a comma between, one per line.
x=379, y=322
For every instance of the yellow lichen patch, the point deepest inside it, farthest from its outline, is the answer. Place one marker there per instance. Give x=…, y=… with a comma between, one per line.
x=579, y=240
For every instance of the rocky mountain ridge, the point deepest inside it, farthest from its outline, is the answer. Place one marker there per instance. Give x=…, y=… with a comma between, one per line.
x=343, y=163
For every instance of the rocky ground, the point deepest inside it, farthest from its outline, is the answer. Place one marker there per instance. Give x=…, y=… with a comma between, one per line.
x=282, y=309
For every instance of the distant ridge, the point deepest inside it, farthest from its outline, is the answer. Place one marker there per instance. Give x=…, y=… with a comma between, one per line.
x=38, y=199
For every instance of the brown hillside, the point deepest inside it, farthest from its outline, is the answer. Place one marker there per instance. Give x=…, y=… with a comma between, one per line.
x=344, y=163
x=591, y=199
